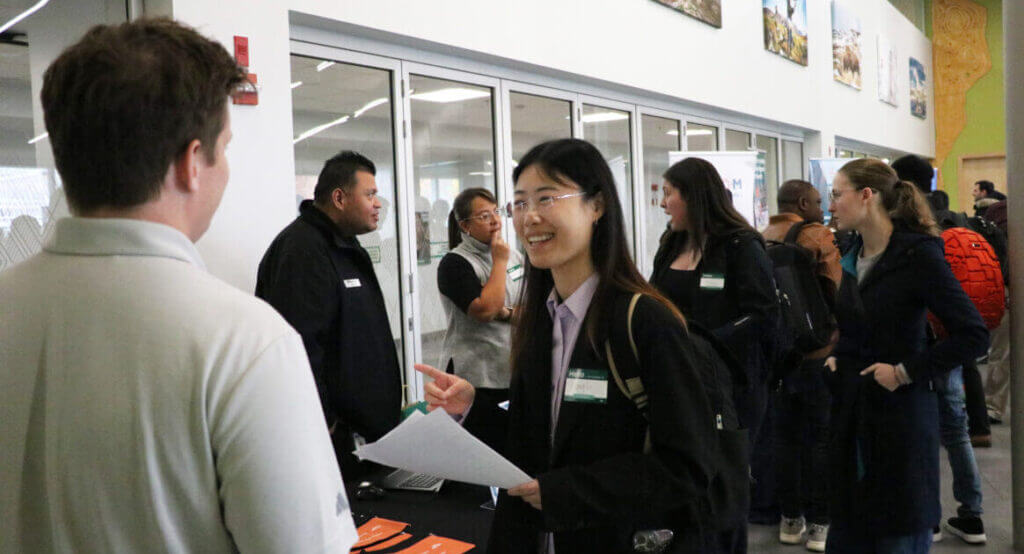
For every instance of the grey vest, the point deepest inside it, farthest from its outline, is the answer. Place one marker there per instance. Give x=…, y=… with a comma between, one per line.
x=480, y=351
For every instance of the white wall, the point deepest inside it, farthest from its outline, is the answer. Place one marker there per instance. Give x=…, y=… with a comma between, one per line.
x=637, y=43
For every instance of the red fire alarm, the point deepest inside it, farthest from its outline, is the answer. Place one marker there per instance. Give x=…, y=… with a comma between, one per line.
x=249, y=94
x=242, y=51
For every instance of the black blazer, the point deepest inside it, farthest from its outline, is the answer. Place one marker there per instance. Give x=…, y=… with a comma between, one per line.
x=344, y=327
x=884, y=451
x=744, y=313
x=597, y=486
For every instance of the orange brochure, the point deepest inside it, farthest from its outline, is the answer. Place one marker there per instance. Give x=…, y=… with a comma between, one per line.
x=389, y=543
x=377, y=529
x=438, y=545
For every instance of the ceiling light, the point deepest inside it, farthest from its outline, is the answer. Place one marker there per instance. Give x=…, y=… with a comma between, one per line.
x=369, y=106
x=483, y=173
x=319, y=128
x=440, y=164
x=323, y=65
x=446, y=95
x=601, y=117
x=39, y=138
x=673, y=132
x=23, y=15
x=697, y=132
x=296, y=85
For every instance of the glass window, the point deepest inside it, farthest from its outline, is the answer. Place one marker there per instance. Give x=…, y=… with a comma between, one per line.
x=452, y=150
x=660, y=136
x=792, y=160
x=609, y=131
x=770, y=145
x=536, y=119
x=737, y=140
x=31, y=192
x=338, y=106
x=701, y=138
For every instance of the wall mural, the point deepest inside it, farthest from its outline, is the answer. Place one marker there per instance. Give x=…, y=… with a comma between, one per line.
x=708, y=11
x=785, y=28
x=846, y=45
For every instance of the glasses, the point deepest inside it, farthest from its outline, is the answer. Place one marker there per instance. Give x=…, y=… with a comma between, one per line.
x=484, y=217
x=542, y=204
x=833, y=196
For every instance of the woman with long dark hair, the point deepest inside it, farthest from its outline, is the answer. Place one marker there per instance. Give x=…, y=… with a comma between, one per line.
x=597, y=485
x=885, y=423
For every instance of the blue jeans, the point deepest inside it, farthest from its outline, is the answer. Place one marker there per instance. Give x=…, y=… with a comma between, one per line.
x=844, y=540
x=953, y=434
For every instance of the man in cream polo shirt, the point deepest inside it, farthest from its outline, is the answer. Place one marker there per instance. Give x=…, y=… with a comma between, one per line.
x=146, y=406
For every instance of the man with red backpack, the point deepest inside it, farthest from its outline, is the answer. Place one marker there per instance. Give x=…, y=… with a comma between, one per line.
x=976, y=266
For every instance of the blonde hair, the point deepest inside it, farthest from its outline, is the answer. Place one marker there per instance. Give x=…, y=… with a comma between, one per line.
x=902, y=201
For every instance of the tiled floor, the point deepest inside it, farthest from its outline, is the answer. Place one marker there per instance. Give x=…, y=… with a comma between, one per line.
x=994, y=464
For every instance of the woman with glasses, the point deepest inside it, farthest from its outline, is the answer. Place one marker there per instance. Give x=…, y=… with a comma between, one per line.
x=597, y=486
x=884, y=451
x=479, y=282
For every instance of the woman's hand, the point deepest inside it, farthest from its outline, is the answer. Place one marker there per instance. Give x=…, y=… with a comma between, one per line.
x=499, y=248
x=529, y=492
x=830, y=363
x=447, y=391
x=885, y=375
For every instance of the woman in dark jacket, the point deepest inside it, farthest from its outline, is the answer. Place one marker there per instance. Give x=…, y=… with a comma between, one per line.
x=885, y=443
x=596, y=483
x=712, y=264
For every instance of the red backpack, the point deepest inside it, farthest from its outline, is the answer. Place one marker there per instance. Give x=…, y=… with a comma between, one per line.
x=976, y=266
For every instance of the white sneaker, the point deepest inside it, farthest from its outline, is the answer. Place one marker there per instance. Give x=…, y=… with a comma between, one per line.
x=817, y=535
x=791, y=530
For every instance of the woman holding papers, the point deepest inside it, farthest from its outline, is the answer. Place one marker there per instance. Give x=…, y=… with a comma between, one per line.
x=479, y=281
x=597, y=484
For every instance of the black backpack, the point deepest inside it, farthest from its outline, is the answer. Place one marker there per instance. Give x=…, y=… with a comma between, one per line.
x=729, y=490
x=807, y=310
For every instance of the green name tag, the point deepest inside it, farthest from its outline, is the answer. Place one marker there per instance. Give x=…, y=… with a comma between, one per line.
x=515, y=272
x=712, y=281
x=586, y=385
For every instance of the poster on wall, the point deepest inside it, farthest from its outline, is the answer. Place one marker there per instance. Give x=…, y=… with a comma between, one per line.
x=761, y=212
x=708, y=11
x=846, y=45
x=785, y=29
x=822, y=172
x=739, y=174
x=918, y=92
x=886, y=71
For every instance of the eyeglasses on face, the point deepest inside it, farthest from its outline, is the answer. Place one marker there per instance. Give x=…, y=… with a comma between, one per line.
x=485, y=217
x=542, y=204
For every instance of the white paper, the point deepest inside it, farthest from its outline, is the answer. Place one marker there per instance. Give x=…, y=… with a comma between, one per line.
x=434, y=444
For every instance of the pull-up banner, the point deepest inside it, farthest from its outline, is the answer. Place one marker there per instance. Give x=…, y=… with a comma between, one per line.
x=739, y=172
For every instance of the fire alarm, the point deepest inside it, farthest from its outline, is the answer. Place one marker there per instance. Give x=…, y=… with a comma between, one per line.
x=249, y=93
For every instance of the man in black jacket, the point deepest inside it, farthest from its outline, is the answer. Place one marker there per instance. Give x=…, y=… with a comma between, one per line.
x=322, y=281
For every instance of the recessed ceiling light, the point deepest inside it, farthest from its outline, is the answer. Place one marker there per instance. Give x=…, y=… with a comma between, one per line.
x=320, y=128
x=39, y=138
x=601, y=117
x=697, y=132
x=446, y=95
x=481, y=173
x=296, y=85
x=673, y=132
x=369, y=106
x=38, y=5
x=323, y=65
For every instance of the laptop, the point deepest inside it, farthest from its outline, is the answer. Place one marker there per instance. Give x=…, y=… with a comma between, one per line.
x=401, y=479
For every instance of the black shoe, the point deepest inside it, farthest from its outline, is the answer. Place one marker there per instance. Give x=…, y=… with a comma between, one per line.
x=970, y=529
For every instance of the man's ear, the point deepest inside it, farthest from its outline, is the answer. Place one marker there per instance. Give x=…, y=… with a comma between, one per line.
x=338, y=198
x=186, y=167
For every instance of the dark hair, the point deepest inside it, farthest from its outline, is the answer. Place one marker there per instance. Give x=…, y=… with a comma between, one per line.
x=578, y=161
x=917, y=170
x=939, y=200
x=339, y=172
x=792, y=191
x=902, y=201
x=463, y=208
x=988, y=187
x=708, y=205
x=126, y=100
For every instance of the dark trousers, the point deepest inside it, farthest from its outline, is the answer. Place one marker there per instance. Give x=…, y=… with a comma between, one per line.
x=801, y=415
x=974, y=390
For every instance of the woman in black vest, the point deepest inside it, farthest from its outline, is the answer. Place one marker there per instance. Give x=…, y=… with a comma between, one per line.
x=885, y=424
x=596, y=484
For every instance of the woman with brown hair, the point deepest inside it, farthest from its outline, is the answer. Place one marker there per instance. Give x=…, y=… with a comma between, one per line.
x=885, y=425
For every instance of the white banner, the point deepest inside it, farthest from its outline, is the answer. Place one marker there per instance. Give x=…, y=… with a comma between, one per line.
x=823, y=170
x=739, y=174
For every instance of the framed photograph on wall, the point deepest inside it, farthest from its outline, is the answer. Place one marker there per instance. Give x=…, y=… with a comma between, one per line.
x=918, y=92
x=846, y=45
x=785, y=28
x=886, y=71
x=708, y=11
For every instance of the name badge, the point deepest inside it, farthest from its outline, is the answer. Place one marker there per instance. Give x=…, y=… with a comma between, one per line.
x=586, y=385
x=712, y=281
x=515, y=272
x=352, y=283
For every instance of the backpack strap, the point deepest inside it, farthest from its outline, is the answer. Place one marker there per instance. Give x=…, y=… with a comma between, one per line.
x=627, y=378
x=794, y=232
